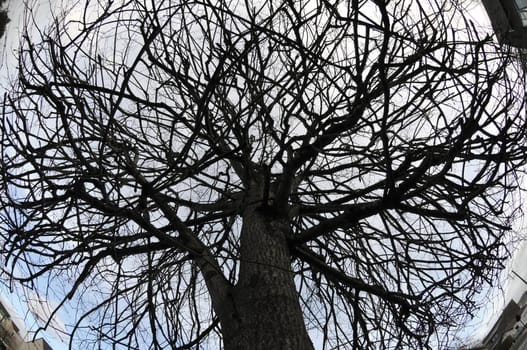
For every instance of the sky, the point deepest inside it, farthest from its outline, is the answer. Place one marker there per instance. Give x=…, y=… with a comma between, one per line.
x=513, y=287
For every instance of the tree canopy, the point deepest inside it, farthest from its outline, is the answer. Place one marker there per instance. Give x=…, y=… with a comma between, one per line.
x=172, y=165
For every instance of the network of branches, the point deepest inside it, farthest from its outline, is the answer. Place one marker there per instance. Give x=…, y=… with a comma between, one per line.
x=389, y=135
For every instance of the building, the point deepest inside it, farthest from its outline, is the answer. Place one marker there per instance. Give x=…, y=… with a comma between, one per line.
x=509, y=20
x=496, y=338
x=510, y=330
x=10, y=337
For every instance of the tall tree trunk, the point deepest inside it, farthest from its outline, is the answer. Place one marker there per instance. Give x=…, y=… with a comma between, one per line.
x=267, y=312
x=3, y=18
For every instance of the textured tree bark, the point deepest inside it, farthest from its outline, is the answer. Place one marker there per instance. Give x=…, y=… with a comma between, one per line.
x=267, y=312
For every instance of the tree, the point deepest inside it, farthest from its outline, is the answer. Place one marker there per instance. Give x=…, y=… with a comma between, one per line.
x=256, y=173
x=4, y=19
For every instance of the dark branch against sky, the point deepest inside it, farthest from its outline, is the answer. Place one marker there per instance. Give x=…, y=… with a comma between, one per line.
x=4, y=19
x=148, y=147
